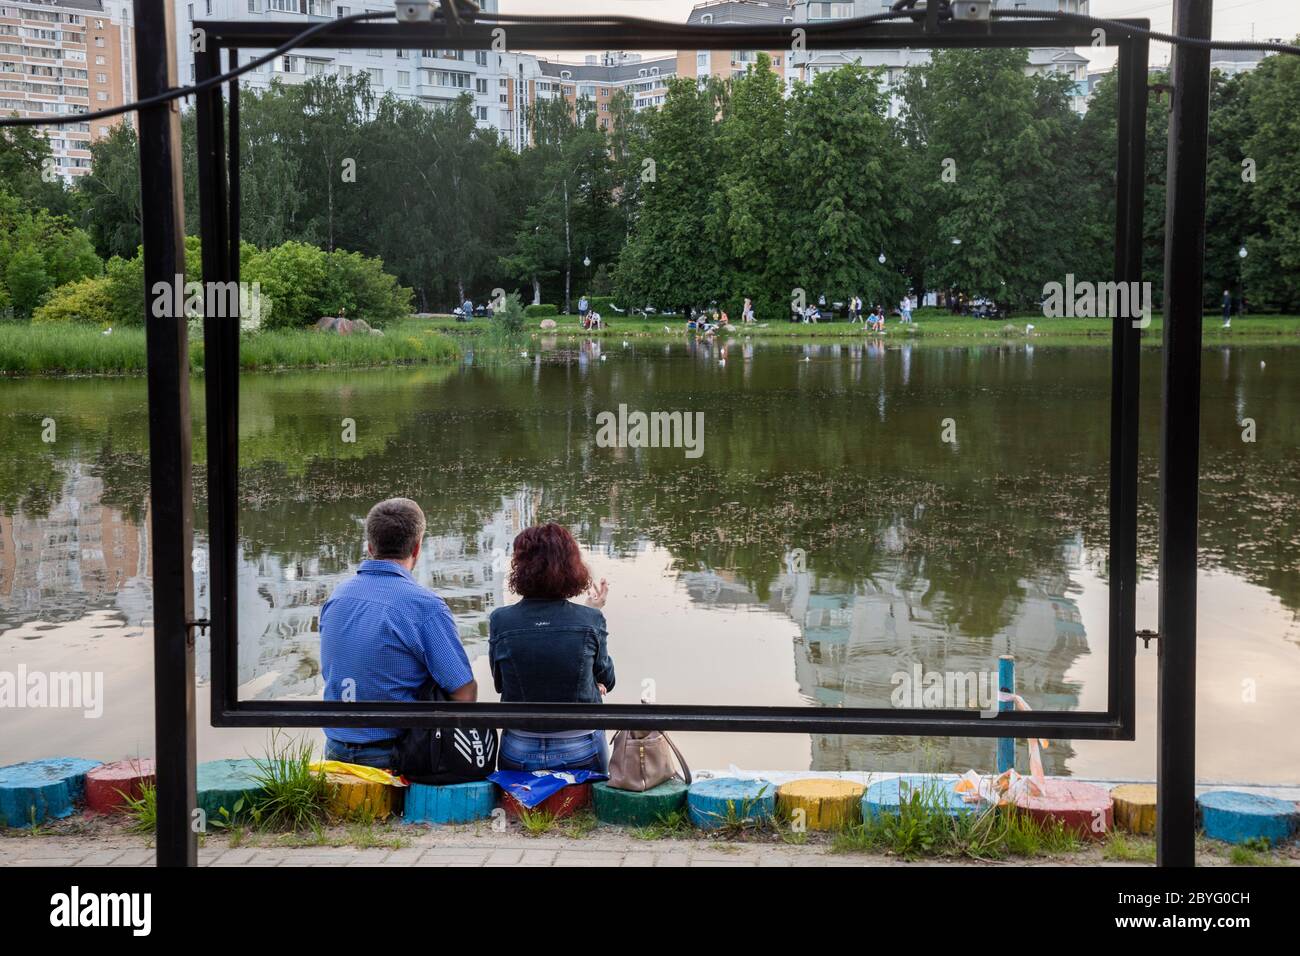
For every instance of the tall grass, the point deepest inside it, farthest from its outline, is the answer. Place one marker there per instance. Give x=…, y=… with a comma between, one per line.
x=36, y=349
x=291, y=795
x=923, y=826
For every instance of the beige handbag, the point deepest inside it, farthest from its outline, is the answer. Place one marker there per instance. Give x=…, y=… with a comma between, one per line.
x=640, y=760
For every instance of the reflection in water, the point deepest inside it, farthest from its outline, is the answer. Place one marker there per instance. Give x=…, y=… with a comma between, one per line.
x=919, y=551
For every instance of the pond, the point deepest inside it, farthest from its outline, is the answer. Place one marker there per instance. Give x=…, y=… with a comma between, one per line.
x=856, y=518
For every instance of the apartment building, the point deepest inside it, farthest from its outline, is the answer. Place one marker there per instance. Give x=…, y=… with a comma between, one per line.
x=796, y=64
x=433, y=77
x=600, y=78
x=66, y=56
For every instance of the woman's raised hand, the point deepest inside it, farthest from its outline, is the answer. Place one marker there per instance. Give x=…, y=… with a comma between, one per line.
x=596, y=594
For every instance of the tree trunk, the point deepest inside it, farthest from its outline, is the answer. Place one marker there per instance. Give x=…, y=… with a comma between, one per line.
x=568, y=251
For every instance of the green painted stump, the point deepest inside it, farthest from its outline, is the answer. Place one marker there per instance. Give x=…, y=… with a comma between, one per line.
x=627, y=808
x=222, y=783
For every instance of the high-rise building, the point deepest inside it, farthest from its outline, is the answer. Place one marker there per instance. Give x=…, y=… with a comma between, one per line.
x=66, y=56
x=432, y=77
x=795, y=63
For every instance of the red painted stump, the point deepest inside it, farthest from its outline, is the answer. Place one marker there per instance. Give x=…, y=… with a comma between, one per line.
x=559, y=805
x=109, y=784
x=1082, y=807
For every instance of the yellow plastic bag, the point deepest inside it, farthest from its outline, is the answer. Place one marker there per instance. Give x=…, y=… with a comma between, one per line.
x=373, y=774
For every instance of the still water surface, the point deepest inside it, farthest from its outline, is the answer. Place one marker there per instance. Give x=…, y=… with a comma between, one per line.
x=827, y=540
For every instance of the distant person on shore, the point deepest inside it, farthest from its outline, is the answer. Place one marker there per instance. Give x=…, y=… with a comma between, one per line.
x=905, y=308
x=383, y=637
x=583, y=305
x=747, y=312
x=1227, y=309
x=547, y=649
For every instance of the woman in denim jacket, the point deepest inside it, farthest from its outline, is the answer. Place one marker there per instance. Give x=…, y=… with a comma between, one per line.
x=547, y=650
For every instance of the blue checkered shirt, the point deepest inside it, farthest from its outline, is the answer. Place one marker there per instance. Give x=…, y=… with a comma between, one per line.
x=388, y=636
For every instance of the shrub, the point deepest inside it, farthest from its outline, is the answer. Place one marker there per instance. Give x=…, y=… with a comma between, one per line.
x=360, y=285
x=510, y=318
x=604, y=304
x=541, y=311
x=85, y=302
x=293, y=278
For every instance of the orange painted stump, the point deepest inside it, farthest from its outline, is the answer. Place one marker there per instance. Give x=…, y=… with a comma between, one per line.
x=564, y=803
x=109, y=785
x=1081, y=807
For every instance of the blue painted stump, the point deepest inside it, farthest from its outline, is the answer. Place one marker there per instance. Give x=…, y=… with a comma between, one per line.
x=1236, y=817
x=728, y=800
x=221, y=783
x=455, y=803
x=42, y=790
x=887, y=796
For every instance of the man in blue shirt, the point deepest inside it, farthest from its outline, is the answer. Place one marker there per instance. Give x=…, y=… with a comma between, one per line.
x=384, y=637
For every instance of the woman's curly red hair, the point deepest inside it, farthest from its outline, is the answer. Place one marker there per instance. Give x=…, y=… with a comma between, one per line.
x=545, y=563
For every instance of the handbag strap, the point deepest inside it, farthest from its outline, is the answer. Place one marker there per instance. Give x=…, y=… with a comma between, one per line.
x=686, y=770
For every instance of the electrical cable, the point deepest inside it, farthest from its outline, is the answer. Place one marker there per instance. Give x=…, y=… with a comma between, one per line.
x=902, y=10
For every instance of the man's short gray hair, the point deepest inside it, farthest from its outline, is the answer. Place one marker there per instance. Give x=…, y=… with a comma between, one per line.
x=394, y=528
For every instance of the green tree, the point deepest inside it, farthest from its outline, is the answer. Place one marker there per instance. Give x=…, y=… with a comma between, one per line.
x=845, y=207
x=109, y=195
x=1007, y=137
x=670, y=261
x=1272, y=125
x=27, y=280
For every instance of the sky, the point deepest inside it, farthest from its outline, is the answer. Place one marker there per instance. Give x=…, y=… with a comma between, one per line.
x=1233, y=19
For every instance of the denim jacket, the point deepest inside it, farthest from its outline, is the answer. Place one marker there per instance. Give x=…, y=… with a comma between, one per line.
x=549, y=651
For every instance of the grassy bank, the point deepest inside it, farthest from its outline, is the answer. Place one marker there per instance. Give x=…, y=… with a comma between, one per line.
x=46, y=349
x=929, y=325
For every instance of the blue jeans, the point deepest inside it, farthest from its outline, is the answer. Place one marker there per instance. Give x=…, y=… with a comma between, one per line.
x=382, y=754
x=523, y=751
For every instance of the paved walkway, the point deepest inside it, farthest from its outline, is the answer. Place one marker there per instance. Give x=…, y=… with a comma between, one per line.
x=426, y=849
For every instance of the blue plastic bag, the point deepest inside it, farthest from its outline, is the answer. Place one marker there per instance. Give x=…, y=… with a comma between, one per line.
x=531, y=787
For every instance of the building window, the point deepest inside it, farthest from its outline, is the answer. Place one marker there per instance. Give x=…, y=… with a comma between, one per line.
x=376, y=76
x=480, y=85
x=480, y=57
x=403, y=78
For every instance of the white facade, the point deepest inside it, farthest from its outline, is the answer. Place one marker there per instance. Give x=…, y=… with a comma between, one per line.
x=433, y=77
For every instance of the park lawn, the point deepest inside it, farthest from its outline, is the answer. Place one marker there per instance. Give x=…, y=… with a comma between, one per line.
x=928, y=325
x=54, y=349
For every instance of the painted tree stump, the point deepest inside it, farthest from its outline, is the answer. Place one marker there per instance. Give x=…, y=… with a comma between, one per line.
x=350, y=796
x=627, y=808
x=1236, y=817
x=1082, y=807
x=563, y=803
x=932, y=794
x=223, y=783
x=40, y=790
x=110, y=785
x=824, y=804
x=1135, y=807
x=728, y=801
x=454, y=803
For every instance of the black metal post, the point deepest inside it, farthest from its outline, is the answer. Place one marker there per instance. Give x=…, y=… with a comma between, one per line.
x=221, y=376
x=172, y=519
x=1130, y=191
x=1180, y=438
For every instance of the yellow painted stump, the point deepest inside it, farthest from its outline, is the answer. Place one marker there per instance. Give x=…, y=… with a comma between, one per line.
x=352, y=795
x=1135, y=807
x=825, y=804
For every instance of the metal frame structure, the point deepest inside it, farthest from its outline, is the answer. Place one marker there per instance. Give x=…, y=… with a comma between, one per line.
x=218, y=165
